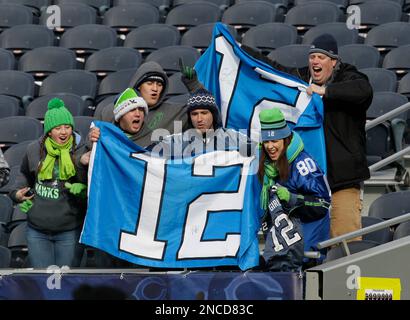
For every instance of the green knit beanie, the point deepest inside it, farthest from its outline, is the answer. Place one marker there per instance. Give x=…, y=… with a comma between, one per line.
x=273, y=125
x=128, y=101
x=57, y=115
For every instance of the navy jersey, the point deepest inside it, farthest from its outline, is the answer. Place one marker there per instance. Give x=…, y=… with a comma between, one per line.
x=283, y=238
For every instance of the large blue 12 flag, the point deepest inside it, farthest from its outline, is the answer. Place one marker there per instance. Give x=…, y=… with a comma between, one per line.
x=197, y=212
x=243, y=86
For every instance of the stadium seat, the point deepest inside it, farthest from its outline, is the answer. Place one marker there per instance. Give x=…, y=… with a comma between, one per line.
x=109, y=100
x=354, y=247
x=390, y=205
x=41, y=62
x=360, y=55
x=82, y=125
x=80, y=82
x=7, y=60
x=398, y=60
x=291, y=56
x=16, y=179
x=285, y=3
x=151, y=37
x=381, y=79
x=168, y=57
x=402, y=230
x=18, y=217
x=380, y=236
x=4, y=236
x=200, y=37
x=100, y=5
x=248, y=14
x=126, y=18
x=14, y=155
x=270, y=36
x=313, y=13
x=9, y=107
x=162, y=5
x=22, y=38
x=12, y=14
x=6, y=209
x=114, y=83
x=72, y=15
x=404, y=86
x=18, y=246
x=5, y=257
x=88, y=38
x=36, y=6
x=379, y=143
x=176, y=86
x=112, y=59
x=400, y=2
x=222, y=4
x=389, y=36
x=193, y=14
x=338, y=30
x=342, y=4
x=377, y=12
x=38, y=107
x=18, y=129
x=17, y=84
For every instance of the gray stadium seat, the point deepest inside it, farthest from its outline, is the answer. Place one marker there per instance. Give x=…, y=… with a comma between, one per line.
x=222, y=4
x=402, y=230
x=17, y=218
x=12, y=14
x=354, y=247
x=151, y=37
x=9, y=107
x=200, y=37
x=389, y=36
x=380, y=236
x=18, y=246
x=338, y=30
x=398, y=60
x=7, y=60
x=381, y=79
x=38, y=107
x=193, y=14
x=6, y=209
x=17, y=84
x=126, y=18
x=14, y=155
x=41, y=62
x=377, y=12
x=168, y=57
x=248, y=14
x=162, y=5
x=291, y=56
x=18, y=129
x=72, y=15
x=404, y=86
x=108, y=100
x=390, y=205
x=270, y=36
x=313, y=13
x=343, y=4
x=360, y=55
x=36, y=6
x=114, y=83
x=400, y=2
x=100, y=5
x=5, y=257
x=82, y=125
x=22, y=38
x=112, y=59
x=88, y=38
x=80, y=82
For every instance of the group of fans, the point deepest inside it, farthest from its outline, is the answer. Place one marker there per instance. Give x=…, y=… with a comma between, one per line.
x=295, y=193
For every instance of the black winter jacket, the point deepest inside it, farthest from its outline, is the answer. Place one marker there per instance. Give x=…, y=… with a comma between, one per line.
x=347, y=98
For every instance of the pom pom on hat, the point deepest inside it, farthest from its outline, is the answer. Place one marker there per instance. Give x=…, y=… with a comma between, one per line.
x=57, y=115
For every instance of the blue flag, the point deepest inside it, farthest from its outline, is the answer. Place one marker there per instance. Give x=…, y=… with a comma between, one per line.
x=243, y=86
x=197, y=212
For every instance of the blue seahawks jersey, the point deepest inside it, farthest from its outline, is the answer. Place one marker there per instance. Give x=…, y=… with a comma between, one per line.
x=283, y=238
x=307, y=179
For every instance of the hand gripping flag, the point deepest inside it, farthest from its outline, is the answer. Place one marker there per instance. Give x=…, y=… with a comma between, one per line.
x=243, y=86
x=199, y=212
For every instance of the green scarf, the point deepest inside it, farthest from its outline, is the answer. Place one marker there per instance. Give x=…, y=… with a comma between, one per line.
x=271, y=172
x=65, y=165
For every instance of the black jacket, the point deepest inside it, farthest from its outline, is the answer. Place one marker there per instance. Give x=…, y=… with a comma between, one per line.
x=347, y=98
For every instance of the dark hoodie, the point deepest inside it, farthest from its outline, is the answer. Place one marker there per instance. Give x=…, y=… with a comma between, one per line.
x=348, y=96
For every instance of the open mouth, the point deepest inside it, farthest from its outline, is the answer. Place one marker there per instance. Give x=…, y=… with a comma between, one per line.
x=136, y=121
x=317, y=70
x=63, y=139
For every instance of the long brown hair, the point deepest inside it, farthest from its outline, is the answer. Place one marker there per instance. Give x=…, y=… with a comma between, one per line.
x=282, y=164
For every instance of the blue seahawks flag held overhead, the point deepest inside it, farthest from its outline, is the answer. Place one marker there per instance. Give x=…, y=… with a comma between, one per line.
x=243, y=86
x=171, y=213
